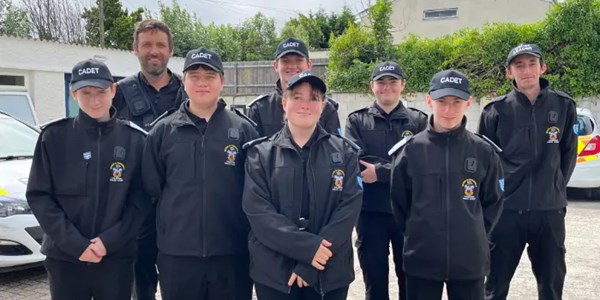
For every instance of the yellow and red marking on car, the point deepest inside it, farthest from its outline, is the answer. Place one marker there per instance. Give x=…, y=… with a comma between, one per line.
x=582, y=142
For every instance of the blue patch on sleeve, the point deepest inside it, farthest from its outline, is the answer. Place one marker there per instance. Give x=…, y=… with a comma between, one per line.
x=340, y=130
x=501, y=183
x=360, y=181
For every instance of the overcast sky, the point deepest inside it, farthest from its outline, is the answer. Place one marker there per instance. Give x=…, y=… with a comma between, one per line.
x=236, y=11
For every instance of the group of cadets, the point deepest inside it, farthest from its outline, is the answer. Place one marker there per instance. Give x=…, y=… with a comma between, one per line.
x=211, y=202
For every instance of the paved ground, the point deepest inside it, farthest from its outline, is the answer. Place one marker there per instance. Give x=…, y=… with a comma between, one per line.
x=583, y=262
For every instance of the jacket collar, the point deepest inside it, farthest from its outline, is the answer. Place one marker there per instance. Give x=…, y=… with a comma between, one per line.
x=181, y=117
x=399, y=112
x=88, y=122
x=544, y=86
x=278, y=87
x=453, y=134
x=283, y=138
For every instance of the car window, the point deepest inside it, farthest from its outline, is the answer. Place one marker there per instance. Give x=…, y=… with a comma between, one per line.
x=583, y=126
x=17, y=105
x=16, y=138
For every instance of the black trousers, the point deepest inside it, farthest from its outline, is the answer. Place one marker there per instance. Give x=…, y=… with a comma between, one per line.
x=146, y=277
x=110, y=280
x=264, y=292
x=544, y=233
x=375, y=232
x=211, y=278
x=425, y=289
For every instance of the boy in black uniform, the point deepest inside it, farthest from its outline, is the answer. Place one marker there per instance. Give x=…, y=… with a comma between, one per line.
x=194, y=166
x=534, y=126
x=302, y=198
x=142, y=98
x=85, y=189
x=447, y=196
x=375, y=129
x=291, y=58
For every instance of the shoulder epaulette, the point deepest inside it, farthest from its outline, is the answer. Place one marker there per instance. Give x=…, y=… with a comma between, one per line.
x=254, y=142
x=335, y=104
x=359, y=110
x=56, y=121
x=496, y=100
x=136, y=127
x=494, y=146
x=400, y=144
x=420, y=112
x=350, y=142
x=565, y=95
x=166, y=113
x=257, y=99
x=241, y=114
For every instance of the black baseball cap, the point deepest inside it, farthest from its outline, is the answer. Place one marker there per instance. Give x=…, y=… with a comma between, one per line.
x=306, y=76
x=449, y=83
x=91, y=72
x=531, y=49
x=291, y=45
x=388, y=68
x=203, y=56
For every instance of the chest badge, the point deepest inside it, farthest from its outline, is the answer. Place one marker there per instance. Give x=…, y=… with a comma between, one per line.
x=232, y=152
x=406, y=133
x=552, y=133
x=469, y=186
x=117, y=169
x=87, y=155
x=552, y=117
x=338, y=180
x=470, y=165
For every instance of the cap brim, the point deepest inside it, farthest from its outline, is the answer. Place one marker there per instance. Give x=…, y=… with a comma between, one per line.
x=313, y=80
x=441, y=93
x=99, y=83
x=291, y=51
x=202, y=63
x=532, y=53
x=387, y=74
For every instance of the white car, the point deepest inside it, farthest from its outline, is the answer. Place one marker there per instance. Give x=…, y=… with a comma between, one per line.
x=587, y=170
x=20, y=232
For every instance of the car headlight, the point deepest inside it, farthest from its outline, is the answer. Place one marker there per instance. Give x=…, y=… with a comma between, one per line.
x=10, y=207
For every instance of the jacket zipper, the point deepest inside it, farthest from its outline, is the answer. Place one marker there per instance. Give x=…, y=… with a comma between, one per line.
x=203, y=155
x=447, y=208
x=98, y=158
x=312, y=214
x=533, y=138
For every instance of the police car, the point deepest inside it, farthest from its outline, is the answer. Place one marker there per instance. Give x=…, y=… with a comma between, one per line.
x=20, y=233
x=587, y=170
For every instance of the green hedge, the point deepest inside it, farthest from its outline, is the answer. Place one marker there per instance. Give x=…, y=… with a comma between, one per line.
x=569, y=37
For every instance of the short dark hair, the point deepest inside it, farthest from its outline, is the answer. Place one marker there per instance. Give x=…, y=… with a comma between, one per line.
x=203, y=67
x=152, y=25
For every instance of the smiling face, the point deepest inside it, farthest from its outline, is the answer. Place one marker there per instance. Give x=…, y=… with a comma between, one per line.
x=289, y=65
x=448, y=112
x=303, y=106
x=387, y=90
x=526, y=71
x=203, y=85
x=94, y=101
x=153, y=51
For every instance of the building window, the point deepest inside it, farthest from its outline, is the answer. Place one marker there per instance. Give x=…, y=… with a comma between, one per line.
x=434, y=14
x=12, y=80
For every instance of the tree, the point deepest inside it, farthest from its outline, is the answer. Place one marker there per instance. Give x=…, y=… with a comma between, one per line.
x=13, y=20
x=56, y=20
x=184, y=26
x=258, y=38
x=316, y=29
x=118, y=24
x=381, y=25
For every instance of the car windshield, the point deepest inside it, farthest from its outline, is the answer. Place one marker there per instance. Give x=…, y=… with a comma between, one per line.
x=17, y=105
x=16, y=139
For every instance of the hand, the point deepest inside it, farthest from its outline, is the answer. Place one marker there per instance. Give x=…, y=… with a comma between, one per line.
x=89, y=256
x=97, y=247
x=322, y=255
x=298, y=279
x=368, y=175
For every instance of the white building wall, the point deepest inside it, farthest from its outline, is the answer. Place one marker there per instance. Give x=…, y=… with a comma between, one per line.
x=45, y=64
